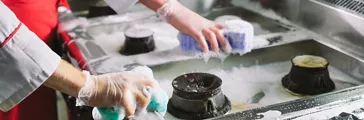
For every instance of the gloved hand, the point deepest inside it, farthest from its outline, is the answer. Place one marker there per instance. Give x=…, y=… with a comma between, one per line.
x=158, y=103
x=158, y=100
x=127, y=89
x=192, y=24
x=158, y=97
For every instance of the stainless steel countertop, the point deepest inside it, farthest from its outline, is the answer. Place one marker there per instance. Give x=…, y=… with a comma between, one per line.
x=293, y=25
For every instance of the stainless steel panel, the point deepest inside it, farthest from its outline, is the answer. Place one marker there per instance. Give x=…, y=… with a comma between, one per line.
x=332, y=22
x=340, y=21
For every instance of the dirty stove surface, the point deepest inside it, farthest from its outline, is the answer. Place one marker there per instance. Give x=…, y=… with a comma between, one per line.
x=252, y=82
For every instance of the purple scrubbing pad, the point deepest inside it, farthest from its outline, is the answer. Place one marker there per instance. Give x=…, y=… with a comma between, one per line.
x=239, y=34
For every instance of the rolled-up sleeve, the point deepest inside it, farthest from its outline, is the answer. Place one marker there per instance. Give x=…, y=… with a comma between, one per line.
x=25, y=61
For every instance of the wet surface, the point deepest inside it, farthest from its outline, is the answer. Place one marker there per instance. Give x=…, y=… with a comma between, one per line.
x=260, y=71
x=250, y=74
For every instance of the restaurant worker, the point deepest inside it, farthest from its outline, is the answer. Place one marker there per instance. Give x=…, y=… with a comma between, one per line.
x=30, y=71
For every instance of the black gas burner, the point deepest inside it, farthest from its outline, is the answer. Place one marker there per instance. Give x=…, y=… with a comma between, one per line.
x=138, y=41
x=198, y=96
x=345, y=116
x=307, y=80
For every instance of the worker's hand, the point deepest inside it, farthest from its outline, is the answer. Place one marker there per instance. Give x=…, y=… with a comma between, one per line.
x=193, y=24
x=126, y=89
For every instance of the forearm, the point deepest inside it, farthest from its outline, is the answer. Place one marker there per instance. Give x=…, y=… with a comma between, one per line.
x=66, y=79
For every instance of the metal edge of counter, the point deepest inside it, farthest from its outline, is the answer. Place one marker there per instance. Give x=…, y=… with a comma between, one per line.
x=323, y=100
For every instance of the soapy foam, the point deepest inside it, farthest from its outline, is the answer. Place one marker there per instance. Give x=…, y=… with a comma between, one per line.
x=241, y=83
x=127, y=17
x=223, y=18
x=164, y=37
x=270, y=115
x=276, y=89
x=258, y=8
x=257, y=27
x=138, y=33
x=112, y=43
x=272, y=90
x=173, y=55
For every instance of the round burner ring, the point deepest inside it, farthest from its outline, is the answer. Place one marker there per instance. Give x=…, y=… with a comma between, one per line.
x=198, y=96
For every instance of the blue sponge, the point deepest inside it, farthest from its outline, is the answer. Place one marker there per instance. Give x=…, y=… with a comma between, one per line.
x=239, y=34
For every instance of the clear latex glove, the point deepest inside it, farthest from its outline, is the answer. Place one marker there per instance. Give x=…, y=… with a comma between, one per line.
x=158, y=101
x=126, y=89
x=190, y=23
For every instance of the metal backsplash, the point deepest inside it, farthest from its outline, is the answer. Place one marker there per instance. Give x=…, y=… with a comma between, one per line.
x=340, y=20
x=353, y=6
